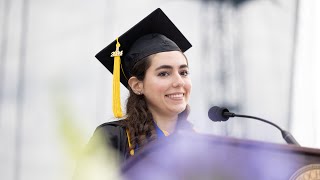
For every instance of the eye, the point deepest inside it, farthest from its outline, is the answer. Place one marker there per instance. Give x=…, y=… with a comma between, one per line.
x=163, y=74
x=184, y=73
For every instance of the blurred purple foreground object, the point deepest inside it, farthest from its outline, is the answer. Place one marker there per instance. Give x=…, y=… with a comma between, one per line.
x=200, y=157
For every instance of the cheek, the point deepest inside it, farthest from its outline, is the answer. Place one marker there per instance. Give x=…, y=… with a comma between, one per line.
x=188, y=85
x=160, y=87
x=154, y=85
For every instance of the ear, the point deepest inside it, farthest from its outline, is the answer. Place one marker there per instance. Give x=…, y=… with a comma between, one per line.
x=136, y=85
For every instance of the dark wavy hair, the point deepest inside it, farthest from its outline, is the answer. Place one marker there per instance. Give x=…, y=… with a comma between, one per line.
x=139, y=119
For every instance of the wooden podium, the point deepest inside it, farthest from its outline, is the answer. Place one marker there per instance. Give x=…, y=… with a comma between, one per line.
x=202, y=157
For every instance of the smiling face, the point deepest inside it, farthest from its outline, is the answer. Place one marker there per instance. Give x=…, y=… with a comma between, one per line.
x=167, y=85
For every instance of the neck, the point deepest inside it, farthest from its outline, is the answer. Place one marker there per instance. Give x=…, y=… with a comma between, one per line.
x=166, y=123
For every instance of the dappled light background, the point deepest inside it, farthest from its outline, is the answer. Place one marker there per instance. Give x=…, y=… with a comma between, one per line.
x=255, y=57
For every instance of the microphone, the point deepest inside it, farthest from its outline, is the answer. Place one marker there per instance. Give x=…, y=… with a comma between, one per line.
x=218, y=114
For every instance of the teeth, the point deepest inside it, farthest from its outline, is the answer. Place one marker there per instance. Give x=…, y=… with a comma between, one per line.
x=175, y=95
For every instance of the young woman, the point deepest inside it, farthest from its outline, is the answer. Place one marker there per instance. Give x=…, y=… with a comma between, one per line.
x=156, y=73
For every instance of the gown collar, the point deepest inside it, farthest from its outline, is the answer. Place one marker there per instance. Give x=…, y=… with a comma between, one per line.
x=160, y=132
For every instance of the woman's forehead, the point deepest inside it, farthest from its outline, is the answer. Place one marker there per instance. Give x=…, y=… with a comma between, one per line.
x=171, y=58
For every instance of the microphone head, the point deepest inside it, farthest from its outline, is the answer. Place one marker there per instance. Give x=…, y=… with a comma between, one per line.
x=216, y=114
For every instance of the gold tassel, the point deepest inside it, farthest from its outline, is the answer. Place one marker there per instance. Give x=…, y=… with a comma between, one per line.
x=116, y=104
x=128, y=136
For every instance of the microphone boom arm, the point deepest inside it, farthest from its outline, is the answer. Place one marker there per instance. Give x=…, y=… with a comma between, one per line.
x=287, y=136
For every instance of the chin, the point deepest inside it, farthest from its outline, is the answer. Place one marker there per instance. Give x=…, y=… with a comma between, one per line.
x=179, y=109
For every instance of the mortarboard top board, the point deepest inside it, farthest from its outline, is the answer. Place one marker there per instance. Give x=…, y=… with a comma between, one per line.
x=155, y=25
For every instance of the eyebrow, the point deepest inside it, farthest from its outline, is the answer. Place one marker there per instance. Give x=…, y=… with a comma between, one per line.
x=170, y=67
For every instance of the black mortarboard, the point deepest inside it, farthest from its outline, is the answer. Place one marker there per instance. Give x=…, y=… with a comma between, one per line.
x=156, y=22
x=155, y=33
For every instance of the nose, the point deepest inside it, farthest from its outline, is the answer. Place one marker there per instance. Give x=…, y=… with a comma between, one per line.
x=178, y=81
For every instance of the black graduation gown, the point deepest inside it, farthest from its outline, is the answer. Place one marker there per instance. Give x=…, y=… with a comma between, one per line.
x=106, y=136
x=113, y=135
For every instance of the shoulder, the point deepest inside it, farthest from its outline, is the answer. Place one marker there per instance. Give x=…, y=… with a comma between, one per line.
x=112, y=124
x=114, y=128
x=111, y=129
x=114, y=134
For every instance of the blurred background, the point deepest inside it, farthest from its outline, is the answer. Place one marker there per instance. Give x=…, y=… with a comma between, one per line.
x=256, y=57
